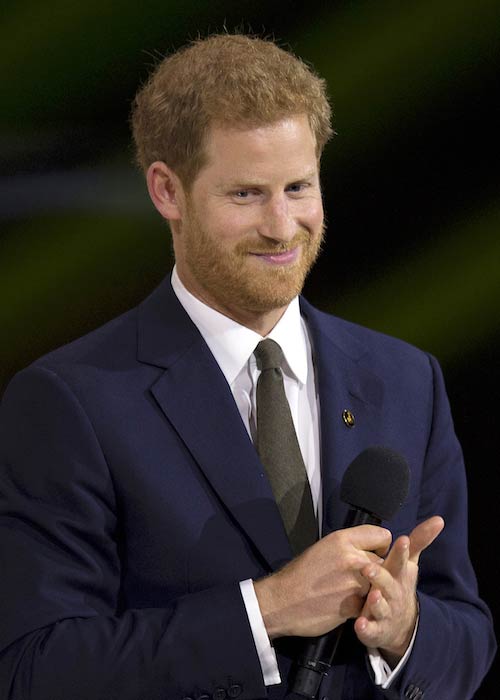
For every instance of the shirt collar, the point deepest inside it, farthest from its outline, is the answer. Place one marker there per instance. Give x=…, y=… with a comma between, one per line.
x=232, y=344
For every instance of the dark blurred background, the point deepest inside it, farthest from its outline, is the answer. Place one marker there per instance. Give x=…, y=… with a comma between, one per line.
x=411, y=184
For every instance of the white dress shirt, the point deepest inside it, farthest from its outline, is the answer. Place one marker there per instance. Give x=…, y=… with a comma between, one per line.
x=232, y=346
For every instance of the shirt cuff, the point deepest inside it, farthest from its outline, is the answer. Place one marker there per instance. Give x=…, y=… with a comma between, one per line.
x=384, y=675
x=265, y=651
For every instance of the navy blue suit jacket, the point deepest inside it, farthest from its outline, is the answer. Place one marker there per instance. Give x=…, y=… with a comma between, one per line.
x=132, y=502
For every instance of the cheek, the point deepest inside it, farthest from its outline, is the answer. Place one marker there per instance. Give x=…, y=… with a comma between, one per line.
x=230, y=229
x=313, y=216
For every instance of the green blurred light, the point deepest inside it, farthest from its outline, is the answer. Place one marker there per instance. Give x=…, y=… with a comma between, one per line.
x=445, y=299
x=60, y=277
x=387, y=61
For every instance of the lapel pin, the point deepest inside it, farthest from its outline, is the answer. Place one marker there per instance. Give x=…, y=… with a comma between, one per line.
x=348, y=418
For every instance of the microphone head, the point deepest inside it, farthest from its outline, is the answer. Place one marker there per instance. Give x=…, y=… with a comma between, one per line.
x=377, y=482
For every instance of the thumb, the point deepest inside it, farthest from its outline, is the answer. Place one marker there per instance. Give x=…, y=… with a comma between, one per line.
x=423, y=535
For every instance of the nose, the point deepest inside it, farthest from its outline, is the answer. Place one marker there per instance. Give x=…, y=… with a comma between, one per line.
x=277, y=222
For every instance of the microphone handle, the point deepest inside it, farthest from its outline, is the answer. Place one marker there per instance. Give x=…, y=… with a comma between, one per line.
x=319, y=652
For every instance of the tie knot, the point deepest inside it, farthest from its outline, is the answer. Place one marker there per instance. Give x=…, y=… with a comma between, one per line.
x=268, y=354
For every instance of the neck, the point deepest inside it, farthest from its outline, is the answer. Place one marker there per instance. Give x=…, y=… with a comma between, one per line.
x=262, y=322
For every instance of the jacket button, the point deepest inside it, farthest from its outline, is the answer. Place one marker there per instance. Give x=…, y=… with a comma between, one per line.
x=219, y=694
x=234, y=690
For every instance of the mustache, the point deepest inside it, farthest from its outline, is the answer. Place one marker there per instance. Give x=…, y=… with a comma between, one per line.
x=270, y=247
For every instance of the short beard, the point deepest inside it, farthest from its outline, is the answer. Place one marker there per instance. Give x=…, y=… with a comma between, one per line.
x=222, y=274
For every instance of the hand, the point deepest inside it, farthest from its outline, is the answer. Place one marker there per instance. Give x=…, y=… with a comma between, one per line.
x=323, y=587
x=389, y=615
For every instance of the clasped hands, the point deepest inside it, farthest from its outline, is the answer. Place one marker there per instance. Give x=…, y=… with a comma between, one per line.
x=351, y=573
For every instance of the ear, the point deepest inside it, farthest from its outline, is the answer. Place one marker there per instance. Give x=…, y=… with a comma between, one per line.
x=165, y=190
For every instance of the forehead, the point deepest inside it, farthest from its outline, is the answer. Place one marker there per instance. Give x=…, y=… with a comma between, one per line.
x=287, y=147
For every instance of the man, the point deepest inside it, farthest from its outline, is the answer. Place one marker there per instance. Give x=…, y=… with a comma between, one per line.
x=148, y=551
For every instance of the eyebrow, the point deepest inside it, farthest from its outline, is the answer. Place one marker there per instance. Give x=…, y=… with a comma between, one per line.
x=248, y=182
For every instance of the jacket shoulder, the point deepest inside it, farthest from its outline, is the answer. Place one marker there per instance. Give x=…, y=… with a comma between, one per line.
x=358, y=340
x=113, y=342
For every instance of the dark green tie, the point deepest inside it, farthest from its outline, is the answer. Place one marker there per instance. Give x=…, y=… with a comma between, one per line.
x=279, y=450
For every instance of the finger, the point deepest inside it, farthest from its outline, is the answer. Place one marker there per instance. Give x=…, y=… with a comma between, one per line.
x=423, y=535
x=357, y=559
x=376, y=607
x=374, y=558
x=368, y=631
x=398, y=557
x=370, y=538
x=380, y=579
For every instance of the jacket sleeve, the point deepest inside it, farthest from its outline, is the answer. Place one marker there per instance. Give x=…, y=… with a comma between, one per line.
x=455, y=643
x=64, y=632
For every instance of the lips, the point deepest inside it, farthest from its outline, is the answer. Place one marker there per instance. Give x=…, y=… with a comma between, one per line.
x=284, y=258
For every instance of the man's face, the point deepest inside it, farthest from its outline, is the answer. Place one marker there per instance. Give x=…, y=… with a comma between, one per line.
x=253, y=220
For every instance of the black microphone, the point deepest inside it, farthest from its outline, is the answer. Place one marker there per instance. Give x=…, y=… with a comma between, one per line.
x=375, y=485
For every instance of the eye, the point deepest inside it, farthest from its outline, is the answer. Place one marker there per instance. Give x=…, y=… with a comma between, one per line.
x=297, y=187
x=244, y=196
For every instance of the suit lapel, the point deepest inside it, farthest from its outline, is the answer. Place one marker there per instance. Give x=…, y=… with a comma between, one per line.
x=196, y=399
x=343, y=383
x=193, y=394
